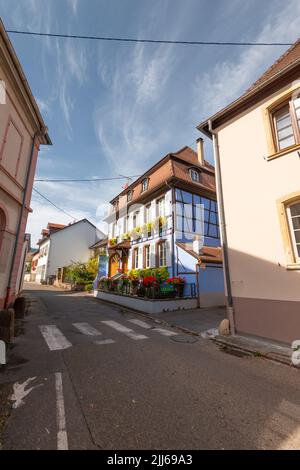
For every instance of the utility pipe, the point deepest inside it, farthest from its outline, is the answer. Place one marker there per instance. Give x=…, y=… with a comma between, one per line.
x=8, y=288
x=230, y=310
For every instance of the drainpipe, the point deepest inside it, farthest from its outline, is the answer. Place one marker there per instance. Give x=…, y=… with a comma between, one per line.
x=198, y=284
x=8, y=288
x=230, y=310
x=173, y=229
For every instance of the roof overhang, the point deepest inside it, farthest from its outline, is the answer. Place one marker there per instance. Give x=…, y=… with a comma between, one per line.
x=248, y=99
x=18, y=76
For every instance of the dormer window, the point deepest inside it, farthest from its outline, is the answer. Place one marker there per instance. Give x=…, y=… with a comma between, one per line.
x=145, y=184
x=129, y=196
x=195, y=175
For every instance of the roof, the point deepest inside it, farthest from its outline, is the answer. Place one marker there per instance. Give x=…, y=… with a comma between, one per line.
x=208, y=254
x=22, y=83
x=64, y=227
x=172, y=168
x=287, y=66
x=99, y=243
x=52, y=225
x=286, y=59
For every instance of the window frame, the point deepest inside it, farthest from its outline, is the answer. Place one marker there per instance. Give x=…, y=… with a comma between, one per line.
x=147, y=257
x=145, y=182
x=289, y=103
x=129, y=196
x=268, y=112
x=135, y=258
x=194, y=171
x=292, y=261
x=292, y=231
x=160, y=245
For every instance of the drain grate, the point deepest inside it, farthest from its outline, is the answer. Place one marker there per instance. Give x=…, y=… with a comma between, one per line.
x=234, y=352
x=184, y=339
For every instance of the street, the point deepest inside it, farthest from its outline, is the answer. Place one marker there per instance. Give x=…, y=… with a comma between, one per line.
x=89, y=375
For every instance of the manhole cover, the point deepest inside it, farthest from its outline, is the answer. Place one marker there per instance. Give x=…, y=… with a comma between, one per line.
x=184, y=339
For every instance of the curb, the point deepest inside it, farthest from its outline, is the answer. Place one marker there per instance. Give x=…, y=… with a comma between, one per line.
x=271, y=356
x=218, y=341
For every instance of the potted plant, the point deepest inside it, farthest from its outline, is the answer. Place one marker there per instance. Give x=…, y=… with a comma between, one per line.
x=151, y=284
x=134, y=281
x=113, y=241
x=136, y=233
x=178, y=283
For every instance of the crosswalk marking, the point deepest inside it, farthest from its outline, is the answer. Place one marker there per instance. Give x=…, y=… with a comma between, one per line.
x=104, y=341
x=123, y=329
x=145, y=325
x=54, y=337
x=140, y=323
x=87, y=329
x=164, y=332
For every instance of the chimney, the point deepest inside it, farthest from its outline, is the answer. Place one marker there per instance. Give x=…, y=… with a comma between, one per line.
x=200, y=150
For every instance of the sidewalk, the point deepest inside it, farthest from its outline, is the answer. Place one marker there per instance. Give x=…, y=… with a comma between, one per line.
x=204, y=322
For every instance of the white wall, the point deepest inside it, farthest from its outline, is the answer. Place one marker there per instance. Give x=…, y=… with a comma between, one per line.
x=71, y=245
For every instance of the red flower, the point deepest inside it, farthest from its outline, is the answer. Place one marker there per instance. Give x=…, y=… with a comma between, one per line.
x=149, y=281
x=175, y=280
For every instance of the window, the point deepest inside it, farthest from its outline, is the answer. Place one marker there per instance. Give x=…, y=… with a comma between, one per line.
x=145, y=184
x=135, y=262
x=147, y=256
x=161, y=207
x=196, y=214
x=162, y=254
x=286, y=121
x=148, y=214
x=135, y=219
x=293, y=213
x=195, y=175
x=126, y=223
x=129, y=196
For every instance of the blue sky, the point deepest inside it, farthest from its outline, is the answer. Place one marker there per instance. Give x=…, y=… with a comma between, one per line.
x=115, y=108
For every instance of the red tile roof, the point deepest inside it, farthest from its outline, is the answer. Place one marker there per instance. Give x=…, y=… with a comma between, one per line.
x=288, y=58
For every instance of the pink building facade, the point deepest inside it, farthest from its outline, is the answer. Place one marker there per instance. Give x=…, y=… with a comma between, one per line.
x=22, y=131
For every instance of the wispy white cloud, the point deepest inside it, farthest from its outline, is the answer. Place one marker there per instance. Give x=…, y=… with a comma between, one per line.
x=74, y=6
x=136, y=92
x=230, y=78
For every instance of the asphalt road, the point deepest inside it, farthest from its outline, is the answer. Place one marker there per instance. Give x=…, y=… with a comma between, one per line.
x=122, y=384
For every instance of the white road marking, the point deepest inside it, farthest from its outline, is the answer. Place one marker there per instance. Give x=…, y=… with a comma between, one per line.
x=143, y=324
x=140, y=323
x=104, y=341
x=123, y=329
x=164, y=332
x=54, y=337
x=87, y=329
x=62, y=437
x=20, y=393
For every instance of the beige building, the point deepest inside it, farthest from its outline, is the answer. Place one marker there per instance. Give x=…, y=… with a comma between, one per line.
x=257, y=152
x=22, y=131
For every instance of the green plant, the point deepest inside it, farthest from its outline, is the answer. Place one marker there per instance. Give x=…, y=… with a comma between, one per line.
x=126, y=236
x=82, y=273
x=113, y=241
x=89, y=287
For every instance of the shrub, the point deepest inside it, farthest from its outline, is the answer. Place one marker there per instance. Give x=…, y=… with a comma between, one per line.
x=89, y=287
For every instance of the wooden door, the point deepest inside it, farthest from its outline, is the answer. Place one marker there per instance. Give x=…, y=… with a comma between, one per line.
x=113, y=265
x=125, y=264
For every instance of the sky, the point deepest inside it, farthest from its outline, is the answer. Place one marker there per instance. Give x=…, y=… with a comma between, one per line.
x=117, y=108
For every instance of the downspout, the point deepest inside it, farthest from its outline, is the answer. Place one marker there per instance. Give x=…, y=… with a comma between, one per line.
x=173, y=229
x=230, y=310
x=8, y=288
x=198, y=284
